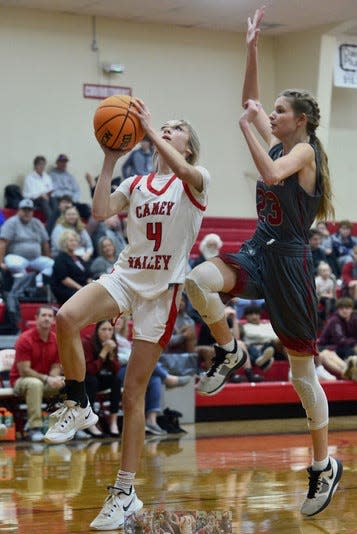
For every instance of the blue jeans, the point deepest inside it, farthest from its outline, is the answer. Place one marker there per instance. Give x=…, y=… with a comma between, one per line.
x=153, y=391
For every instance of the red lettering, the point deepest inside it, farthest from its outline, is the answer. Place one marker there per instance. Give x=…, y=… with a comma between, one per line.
x=155, y=208
x=170, y=205
x=154, y=233
x=137, y=263
x=166, y=258
x=146, y=210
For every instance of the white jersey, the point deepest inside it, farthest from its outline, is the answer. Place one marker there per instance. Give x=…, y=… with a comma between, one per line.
x=164, y=218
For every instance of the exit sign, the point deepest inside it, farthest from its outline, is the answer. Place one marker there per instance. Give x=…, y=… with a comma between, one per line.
x=91, y=90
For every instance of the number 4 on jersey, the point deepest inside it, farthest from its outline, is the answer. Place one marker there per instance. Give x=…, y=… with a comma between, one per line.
x=154, y=233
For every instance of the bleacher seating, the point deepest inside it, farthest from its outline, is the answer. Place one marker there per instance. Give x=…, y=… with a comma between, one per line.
x=9, y=212
x=270, y=400
x=233, y=232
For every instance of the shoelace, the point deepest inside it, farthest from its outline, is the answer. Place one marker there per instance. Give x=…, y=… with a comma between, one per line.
x=315, y=482
x=110, y=505
x=217, y=360
x=63, y=415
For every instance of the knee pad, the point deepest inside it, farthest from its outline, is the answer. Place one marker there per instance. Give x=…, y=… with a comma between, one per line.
x=311, y=394
x=202, y=286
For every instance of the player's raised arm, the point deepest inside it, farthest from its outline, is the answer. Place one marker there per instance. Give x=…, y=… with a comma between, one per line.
x=106, y=204
x=173, y=146
x=251, y=79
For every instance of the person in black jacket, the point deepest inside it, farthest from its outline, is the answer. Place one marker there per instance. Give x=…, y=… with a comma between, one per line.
x=69, y=272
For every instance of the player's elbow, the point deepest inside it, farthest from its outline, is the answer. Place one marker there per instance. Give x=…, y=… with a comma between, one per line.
x=99, y=215
x=271, y=178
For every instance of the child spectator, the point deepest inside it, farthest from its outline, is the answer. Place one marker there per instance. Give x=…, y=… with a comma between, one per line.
x=325, y=290
x=343, y=243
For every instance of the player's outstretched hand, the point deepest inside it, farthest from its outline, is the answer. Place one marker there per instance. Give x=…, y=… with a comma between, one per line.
x=254, y=26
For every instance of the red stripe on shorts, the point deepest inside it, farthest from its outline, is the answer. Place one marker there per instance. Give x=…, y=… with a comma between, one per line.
x=242, y=274
x=165, y=338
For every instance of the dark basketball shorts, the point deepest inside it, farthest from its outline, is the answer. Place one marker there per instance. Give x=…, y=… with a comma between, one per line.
x=283, y=276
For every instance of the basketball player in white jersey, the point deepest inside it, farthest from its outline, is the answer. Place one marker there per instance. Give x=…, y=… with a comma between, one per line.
x=165, y=211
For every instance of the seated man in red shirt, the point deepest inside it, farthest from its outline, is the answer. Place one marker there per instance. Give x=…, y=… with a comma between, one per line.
x=36, y=372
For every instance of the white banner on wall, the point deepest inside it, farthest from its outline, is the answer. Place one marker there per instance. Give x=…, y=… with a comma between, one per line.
x=345, y=74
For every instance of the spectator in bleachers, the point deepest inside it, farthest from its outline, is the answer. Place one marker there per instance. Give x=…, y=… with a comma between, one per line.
x=139, y=161
x=107, y=256
x=318, y=253
x=38, y=186
x=326, y=245
x=160, y=376
x=326, y=239
x=112, y=227
x=70, y=273
x=63, y=203
x=340, y=331
x=36, y=372
x=260, y=338
x=328, y=362
x=349, y=276
x=325, y=283
x=240, y=304
x=70, y=220
x=65, y=183
x=209, y=247
x=24, y=244
x=102, y=368
x=343, y=243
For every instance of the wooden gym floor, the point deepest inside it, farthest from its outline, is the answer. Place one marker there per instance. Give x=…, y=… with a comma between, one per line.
x=255, y=470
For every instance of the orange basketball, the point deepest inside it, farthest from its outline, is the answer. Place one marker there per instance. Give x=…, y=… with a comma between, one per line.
x=115, y=126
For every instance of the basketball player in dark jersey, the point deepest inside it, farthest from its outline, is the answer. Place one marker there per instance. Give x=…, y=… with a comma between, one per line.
x=276, y=263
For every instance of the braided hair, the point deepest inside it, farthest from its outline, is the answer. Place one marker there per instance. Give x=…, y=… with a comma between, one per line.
x=303, y=102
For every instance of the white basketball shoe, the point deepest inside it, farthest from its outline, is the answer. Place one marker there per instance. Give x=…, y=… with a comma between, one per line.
x=117, y=506
x=224, y=363
x=322, y=486
x=69, y=418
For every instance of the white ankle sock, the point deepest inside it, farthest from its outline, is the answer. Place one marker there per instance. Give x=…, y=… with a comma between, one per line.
x=124, y=480
x=229, y=347
x=320, y=466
